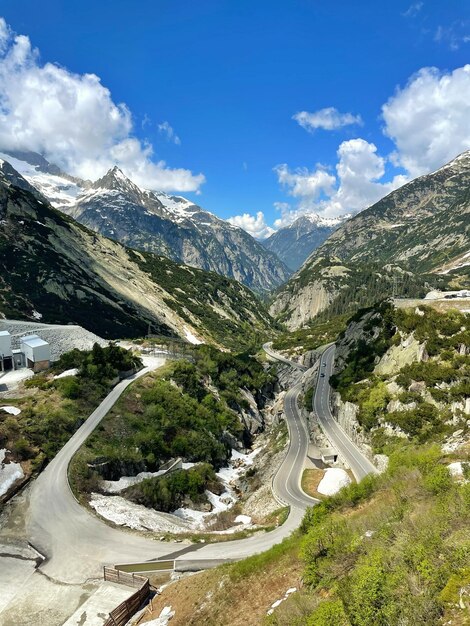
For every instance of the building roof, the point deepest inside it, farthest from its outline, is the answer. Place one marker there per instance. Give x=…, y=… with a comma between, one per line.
x=4, y=333
x=34, y=341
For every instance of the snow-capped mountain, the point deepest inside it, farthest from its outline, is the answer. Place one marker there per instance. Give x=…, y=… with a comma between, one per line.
x=156, y=222
x=293, y=244
x=51, y=265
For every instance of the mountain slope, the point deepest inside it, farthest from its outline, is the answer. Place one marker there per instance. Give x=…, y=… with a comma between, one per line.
x=296, y=242
x=156, y=222
x=53, y=265
x=398, y=244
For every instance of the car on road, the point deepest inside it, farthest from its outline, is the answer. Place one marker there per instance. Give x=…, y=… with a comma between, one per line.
x=322, y=375
x=324, y=364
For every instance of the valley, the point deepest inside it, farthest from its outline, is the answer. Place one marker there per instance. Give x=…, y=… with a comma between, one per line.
x=198, y=458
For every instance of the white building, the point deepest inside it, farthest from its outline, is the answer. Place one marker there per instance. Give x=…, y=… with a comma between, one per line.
x=6, y=354
x=37, y=352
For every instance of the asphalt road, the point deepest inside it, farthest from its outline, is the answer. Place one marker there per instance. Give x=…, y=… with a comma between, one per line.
x=77, y=543
x=359, y=464
x=267, y=347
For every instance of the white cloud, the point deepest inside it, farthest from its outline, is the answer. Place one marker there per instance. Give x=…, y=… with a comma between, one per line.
x=73, y=120
x=454, y=35
x=413, y=9
x=304, y=184
x=327, y=119
x=167, y=130
x=255, y=225
x=428, y=122
x=428, y=119
x=357, y=184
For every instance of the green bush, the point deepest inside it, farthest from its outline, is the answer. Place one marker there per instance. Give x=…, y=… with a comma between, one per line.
x=438, y=480
x=329, y=613
x=166, y=493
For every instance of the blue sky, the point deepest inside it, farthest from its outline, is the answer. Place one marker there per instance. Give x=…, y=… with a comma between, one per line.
x=213, y=87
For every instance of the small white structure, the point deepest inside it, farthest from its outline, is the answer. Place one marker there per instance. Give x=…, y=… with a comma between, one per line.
x=447, y=295
x=6, y=354
x=329, y=455
x=37, y=352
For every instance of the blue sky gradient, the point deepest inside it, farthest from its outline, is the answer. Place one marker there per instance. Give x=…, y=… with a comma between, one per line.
x=228, y=76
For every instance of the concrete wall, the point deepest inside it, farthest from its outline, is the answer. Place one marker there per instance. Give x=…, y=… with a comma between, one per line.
x=5, y=345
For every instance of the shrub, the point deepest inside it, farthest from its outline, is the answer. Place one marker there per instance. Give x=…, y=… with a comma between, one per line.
x=329, y=613
x=438, y=480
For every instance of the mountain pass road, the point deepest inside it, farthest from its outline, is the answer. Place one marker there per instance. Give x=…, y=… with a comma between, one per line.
x=357, y=461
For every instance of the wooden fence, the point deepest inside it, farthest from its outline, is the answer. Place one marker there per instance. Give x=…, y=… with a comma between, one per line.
x=122, y=613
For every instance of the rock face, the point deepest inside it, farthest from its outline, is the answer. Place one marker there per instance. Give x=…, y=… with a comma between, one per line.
x=389, y=246
x=296, y=242
x=52, y=266
x=156, y=222
x=408, y=351
x=345, y=414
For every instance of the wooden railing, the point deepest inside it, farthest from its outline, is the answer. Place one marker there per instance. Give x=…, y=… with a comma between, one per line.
x=122, y=613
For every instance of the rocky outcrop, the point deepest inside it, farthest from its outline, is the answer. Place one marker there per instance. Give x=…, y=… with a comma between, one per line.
x=345, y=414
x=408, y=351
x=299, y=303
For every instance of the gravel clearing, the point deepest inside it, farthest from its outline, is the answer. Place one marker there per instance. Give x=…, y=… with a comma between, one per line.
x=62, y=338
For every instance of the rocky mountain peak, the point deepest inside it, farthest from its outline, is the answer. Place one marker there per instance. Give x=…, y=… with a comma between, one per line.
x=116, y=180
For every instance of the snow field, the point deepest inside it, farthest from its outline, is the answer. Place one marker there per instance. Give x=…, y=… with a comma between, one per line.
x=333, y=480
x=124, y=513
x=9, y=473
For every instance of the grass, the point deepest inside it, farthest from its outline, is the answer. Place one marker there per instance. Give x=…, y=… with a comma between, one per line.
x=311, y=478
x=238, y=594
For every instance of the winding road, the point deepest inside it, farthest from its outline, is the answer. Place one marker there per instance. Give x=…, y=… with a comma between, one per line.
x=357, y=461
x=77, y=544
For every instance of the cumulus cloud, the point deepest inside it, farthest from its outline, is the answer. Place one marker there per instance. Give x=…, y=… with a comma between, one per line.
x=356, y=185
x=73, y=120
x=428, y=119
x=304, y=184
x=255, y=225
x=168, y=131
x=326, y=119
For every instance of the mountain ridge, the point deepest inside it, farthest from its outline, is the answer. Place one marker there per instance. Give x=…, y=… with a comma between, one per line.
x=409, y=234
x=160, y=223
x=55, y=266
x=294, y=243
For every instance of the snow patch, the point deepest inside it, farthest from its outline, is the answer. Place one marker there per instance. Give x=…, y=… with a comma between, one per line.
x=136, y=516
x=162, y=620
x=71, y=372
x=13, y=410
x=274, y=605
x=192, y=338
x=9, y=473
x=13, y=378
x=334, y=479
x=116, y=486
